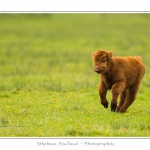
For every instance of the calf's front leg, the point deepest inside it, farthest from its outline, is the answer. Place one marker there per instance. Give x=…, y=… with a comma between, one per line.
x=117, y=89
x=102, y=93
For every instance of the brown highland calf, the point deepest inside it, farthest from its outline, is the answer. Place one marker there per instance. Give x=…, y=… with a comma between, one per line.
x=120, y=74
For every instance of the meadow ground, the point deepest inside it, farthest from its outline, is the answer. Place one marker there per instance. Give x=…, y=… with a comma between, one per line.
x=47, y=84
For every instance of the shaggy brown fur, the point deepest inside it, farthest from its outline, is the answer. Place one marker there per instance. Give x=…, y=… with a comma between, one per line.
x=120, y=74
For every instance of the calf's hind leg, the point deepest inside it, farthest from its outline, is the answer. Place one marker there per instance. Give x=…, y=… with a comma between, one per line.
x=131, y=95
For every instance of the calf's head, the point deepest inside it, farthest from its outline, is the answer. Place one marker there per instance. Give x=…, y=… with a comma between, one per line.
x=101, y=61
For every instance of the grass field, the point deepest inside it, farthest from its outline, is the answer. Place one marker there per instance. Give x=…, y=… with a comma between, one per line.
x=47, y=84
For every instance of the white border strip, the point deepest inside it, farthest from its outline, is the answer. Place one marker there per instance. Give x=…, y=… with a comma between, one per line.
x=74, y=5
x=74, y=143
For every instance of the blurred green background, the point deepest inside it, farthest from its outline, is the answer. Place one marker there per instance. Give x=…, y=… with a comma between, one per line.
x=56, y=49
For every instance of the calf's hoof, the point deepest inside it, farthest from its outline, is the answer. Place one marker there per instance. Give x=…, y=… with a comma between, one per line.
x=117, y=109
x=105, y=104
x=122, y=111
x=113, y=106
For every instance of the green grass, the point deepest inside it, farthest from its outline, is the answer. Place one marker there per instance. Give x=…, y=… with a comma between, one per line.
x=47, y=84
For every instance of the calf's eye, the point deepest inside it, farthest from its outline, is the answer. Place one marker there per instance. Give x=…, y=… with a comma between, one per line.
x=103, y=61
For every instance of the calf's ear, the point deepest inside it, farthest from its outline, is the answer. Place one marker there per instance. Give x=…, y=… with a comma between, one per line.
x=110, y=54
x=93, y=53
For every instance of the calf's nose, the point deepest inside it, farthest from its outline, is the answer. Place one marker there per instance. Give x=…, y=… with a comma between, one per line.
x=95, y=68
